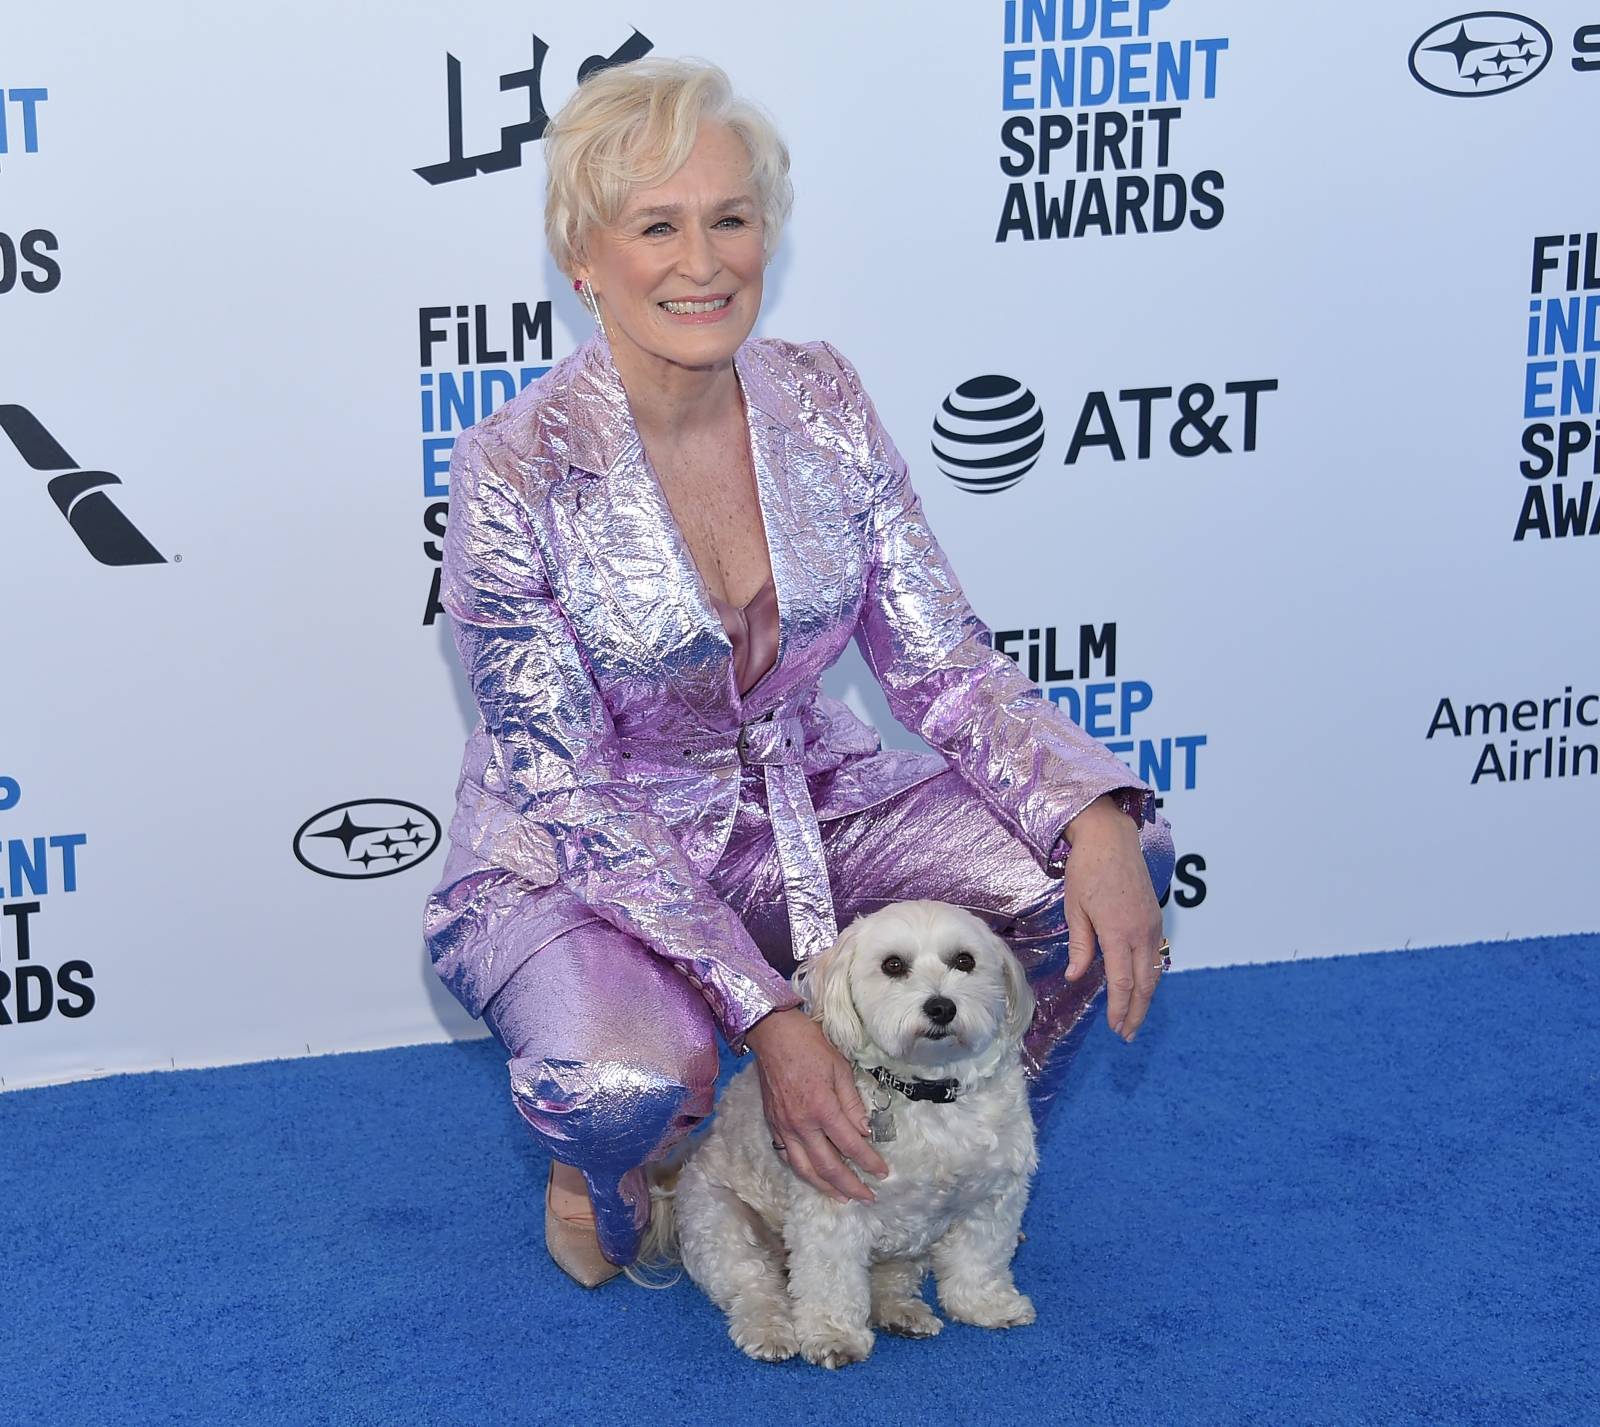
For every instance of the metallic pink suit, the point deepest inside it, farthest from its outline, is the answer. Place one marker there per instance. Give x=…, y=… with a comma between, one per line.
x=641, y=851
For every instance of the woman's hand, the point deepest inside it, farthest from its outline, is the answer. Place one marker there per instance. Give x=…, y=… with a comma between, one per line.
x=808, y=1091
x=1107, y=895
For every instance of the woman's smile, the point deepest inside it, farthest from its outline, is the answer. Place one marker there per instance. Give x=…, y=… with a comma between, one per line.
x=712, y=308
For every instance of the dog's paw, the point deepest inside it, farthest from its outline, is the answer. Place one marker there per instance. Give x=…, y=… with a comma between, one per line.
x=832, y=1345
x=907, y=1317
x=998, y=1309
x=768, y=1340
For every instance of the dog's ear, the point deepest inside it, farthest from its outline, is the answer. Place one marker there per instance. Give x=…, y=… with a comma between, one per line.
x=1019, y=994
x=823, y=983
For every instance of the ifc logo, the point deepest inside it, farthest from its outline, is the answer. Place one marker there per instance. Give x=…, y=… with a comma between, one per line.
x=988, y=434
x=1486, y=52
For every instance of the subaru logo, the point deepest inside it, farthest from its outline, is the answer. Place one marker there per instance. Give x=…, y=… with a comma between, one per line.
x=1486, y=52
x=374, y=837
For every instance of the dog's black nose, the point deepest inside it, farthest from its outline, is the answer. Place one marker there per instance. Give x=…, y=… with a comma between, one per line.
x=941, y=1010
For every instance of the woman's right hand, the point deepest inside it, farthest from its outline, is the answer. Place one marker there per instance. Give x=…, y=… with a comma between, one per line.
x=808, y=1091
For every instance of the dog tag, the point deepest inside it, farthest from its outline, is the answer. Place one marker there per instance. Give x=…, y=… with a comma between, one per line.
x=880, y=1123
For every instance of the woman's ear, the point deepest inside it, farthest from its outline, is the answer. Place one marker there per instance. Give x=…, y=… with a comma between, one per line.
x=823, y=983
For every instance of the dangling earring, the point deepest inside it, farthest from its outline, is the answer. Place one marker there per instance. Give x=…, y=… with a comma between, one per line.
x=583, y=288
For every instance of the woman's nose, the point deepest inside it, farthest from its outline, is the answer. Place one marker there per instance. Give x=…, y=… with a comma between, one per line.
x=698, y=261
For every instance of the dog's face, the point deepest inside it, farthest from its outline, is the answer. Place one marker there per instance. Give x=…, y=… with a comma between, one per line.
x=926, y=982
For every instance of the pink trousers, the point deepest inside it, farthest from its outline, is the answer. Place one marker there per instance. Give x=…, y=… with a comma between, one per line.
x=613, y=1055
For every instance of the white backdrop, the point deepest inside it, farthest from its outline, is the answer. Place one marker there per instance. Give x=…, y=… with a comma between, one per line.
x=215, y=258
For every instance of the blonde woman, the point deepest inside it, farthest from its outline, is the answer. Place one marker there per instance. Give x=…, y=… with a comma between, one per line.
x=654, y=553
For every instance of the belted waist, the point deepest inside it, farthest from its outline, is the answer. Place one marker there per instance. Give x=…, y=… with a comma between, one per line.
x=775, y=744
x=775, y=740
x=764, y=740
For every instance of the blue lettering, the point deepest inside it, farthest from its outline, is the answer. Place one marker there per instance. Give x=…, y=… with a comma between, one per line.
x=1066, y=694
x=1136, y=697
x=1155, y=763
x=1056, y=80
x=1016, y=79
x=1126, y=93
x=22, y=866
x=1172, y=72
x=1146, y=9
x=1097, y=91
x=1098, y=706
x=1039, y=18
x=1211, y=49
x=28, y=99
x=1577, y=387
x=1189, y=743
x=69, y=843
x=436, y=466
x=458, y=401
x=1534, y=388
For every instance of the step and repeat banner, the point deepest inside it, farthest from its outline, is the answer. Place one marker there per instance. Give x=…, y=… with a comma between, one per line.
x=1286, y=326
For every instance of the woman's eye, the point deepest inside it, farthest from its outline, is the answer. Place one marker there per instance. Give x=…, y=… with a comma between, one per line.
x=731, y=219
x=650, y=231
x=962, y=961
x=893, y=966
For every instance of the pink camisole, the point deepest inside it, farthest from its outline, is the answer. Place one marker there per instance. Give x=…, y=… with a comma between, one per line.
x=753, y=632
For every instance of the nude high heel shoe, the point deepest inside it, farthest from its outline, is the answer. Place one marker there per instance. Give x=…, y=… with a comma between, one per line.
x=569, y=1234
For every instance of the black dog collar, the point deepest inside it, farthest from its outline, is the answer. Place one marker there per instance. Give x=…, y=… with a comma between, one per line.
x=941, y=1092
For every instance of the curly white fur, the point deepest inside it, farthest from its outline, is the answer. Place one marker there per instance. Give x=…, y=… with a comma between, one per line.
x=796, y=1271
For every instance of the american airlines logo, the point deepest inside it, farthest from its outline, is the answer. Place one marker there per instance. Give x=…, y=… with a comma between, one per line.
x=105, y=531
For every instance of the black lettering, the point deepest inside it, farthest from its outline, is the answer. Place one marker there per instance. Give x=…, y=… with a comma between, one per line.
x=1544, y=460
x=37, y=1006
x=1534, y=518
x=1444, y=717
x=1207, y=186
x=1052, y=218
x=37, y=245
x=1092, y=208
x=1093, y=643
x=1586, y=46
x=1133, y=193
x=73, y=979
x=1014, y=135
x=1094, y=406
x=433, y=609
x=1185, y=871
x=1014, y=216
x=1172, y=201
x=1572, y=513
x=433, y=521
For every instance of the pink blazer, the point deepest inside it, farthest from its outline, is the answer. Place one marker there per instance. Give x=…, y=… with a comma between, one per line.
x=611, y=734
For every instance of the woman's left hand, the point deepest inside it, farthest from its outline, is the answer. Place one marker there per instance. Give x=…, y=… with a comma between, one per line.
x=1108, y=896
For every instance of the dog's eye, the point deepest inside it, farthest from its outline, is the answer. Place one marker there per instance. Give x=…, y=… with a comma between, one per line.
x=962, y=961
x=894, y=966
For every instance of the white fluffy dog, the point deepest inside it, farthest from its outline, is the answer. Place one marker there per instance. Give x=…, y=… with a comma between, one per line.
x=929, y=994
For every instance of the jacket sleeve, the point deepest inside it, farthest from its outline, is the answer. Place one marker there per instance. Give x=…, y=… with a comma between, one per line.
x=943, y=678
x=555, y=758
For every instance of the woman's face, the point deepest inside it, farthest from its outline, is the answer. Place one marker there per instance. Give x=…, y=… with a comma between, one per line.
x=696, y=237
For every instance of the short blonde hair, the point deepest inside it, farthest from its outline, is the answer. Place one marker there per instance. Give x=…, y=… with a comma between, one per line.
x=631, y=126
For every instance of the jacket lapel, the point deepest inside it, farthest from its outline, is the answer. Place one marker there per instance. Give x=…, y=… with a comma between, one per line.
x=615, y=504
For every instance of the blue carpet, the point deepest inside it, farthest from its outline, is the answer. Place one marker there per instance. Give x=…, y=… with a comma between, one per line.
x=1356, y=1190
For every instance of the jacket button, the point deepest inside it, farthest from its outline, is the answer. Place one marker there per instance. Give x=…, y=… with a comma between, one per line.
x=626, y=754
